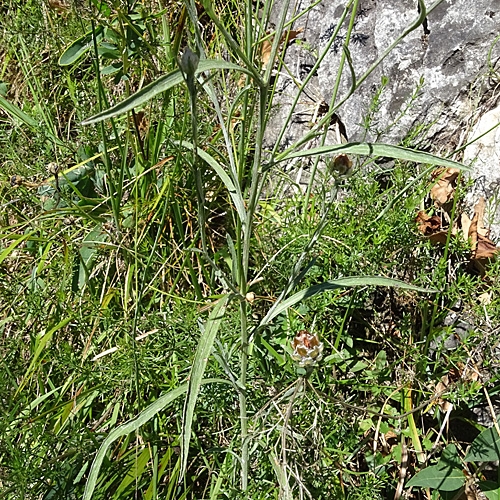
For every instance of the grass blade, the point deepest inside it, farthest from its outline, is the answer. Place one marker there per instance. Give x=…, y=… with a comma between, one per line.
x=131, y=426
x=127, y=428
x=41, y=342
x=13, y=245
x=203, y=351
x=234, y=189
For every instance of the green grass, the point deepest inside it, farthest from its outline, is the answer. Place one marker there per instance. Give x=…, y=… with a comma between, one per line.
x=150, y=295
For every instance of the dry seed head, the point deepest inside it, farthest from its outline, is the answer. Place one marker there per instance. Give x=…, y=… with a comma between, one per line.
x=307, y=349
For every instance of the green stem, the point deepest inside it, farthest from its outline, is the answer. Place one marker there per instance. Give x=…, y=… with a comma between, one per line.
x=243, y=397
x=245, y=240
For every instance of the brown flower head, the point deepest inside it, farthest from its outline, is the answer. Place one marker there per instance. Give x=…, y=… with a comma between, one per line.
x=307, y=349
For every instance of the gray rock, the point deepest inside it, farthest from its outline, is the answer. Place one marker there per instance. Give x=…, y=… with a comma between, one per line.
x=449, y=52
x=456, y=330
x=484, y=152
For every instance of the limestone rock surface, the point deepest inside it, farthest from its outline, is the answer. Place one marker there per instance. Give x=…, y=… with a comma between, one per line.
x=429, y=74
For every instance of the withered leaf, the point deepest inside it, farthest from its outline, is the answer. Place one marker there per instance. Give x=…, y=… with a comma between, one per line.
x=485, y=248
x=445, y=184
x=267, y=45
x=265, y=52
x=466, y=223
x=290, y=35
x=427, y=224
x=482, y=247
x=485, y=298
x=439, y=238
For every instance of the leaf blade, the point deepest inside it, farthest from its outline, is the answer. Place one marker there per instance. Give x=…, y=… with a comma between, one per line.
x=371, y=149
x=486, y=447
x=157, y=87
x=131, y=426
x=438, y=478
x=78, y=47
x=349, y=281
x=200, y=361
x=233, y=189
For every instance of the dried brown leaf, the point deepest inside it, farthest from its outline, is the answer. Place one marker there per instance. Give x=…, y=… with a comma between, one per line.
x=466, y=223
x=439, y=238
x=473, y=234
x=485, y=248
x=445, y=184
x=265, y=52
x=442, y=385
x=59, y=5
x=428, y=225
x=482, y=247
x=290, y=35
x=480, y=208
x=431, y=227
x=267, y=45
x=390, y=435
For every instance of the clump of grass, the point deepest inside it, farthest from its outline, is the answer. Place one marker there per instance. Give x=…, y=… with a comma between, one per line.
x=151, y=296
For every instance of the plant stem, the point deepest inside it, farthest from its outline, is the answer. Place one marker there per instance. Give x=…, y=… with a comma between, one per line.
x=243, y=284
x=242, y=395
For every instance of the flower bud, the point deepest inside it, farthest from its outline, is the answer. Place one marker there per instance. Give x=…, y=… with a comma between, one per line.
x=250, y=296
x=189, y=62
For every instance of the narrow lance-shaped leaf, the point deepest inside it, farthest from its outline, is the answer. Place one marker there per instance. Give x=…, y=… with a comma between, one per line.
x=371, y=149
x=40, y=344
x=131, y=426
x=19, y=115
x=157, y=87
x=76, y=49
x=233, y=189
x=203, y=351
x=15, y=244
x=335, y=285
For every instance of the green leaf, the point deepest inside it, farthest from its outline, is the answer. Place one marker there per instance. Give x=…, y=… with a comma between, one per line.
x=127, y=428
x=131, y=426
x=203, y=351
x=18, y=113
x=450, y=458
x=490, y=489
x=40, y=344
x=88, y=254
x=370, y=149
x=157, y=87
x=486, y=447
x=18, y=240
x=108, y=51
x=279, y=358
x=233, y=189
x=135, y=471
x=112, y=68
x=438, y=478
x=335, y=285
x=76, y=49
